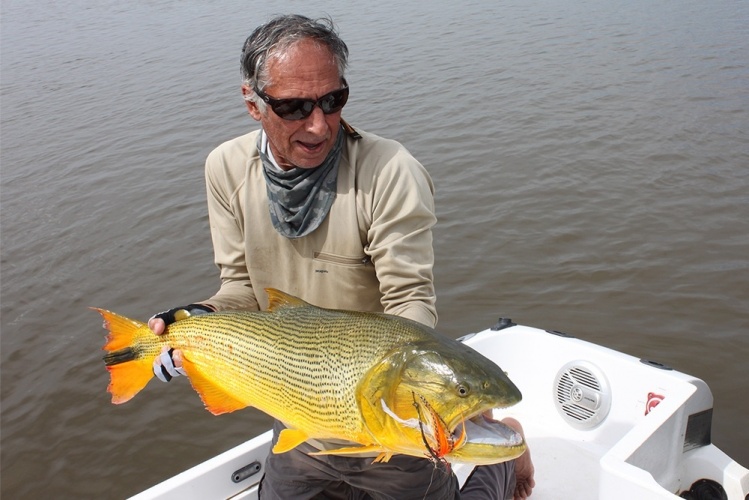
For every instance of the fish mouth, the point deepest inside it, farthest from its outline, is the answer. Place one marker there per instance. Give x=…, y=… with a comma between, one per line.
x=482, y=429
x=478, y=439
x=485, y=441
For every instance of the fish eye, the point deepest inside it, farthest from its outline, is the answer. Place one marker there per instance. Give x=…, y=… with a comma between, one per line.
x=463, y=389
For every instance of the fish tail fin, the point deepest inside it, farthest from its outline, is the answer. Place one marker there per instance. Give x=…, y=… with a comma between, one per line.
x=129, y=367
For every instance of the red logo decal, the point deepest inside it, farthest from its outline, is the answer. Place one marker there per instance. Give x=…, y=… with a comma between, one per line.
x=653, y=400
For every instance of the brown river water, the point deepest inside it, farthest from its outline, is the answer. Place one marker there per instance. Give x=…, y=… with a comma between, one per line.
x=591, y=161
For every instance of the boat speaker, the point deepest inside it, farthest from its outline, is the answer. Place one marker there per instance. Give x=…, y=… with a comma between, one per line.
x=582, y=394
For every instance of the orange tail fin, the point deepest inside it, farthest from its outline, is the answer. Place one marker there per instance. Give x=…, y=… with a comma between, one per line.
x=129, y=368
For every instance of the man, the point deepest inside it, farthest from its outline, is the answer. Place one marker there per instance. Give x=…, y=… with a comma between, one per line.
x=337, y=217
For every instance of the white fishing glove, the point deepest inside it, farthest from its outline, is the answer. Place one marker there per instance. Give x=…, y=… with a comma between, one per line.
x=163, y=365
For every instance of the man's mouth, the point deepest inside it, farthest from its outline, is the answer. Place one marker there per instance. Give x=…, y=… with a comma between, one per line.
x=311, y=147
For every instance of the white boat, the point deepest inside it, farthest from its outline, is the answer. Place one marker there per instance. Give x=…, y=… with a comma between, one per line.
x=600, y=425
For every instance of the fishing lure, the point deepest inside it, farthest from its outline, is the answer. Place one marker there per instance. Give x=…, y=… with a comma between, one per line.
x=439, y=441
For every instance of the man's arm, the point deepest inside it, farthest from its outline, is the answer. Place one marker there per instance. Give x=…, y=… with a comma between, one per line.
x=400, y=238
x=226, y=217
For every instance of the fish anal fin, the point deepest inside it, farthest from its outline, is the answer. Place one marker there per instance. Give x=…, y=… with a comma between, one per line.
x=289, y=439
x=215, y=399
x=278, y=299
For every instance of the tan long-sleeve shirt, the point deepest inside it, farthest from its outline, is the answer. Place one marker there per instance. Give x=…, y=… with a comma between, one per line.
x=373, y=252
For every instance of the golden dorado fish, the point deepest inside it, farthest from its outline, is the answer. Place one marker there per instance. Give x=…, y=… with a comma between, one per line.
x=383, y=383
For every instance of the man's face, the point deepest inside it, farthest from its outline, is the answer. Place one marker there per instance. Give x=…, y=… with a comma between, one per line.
x=307, y=70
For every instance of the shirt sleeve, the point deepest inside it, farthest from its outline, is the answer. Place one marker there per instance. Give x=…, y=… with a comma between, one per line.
x=400, y=238
x=226, y=217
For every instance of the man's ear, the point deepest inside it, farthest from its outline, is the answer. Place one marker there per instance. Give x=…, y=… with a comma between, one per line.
x=252, y=107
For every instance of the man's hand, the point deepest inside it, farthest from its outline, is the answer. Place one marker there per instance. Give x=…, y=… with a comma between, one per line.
x=160, y=321
x=168, y=364
x=524, y=469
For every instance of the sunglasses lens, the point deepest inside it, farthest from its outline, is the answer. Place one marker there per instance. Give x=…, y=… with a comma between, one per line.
x=334, y=102
x=294, y=109
x=297, y=109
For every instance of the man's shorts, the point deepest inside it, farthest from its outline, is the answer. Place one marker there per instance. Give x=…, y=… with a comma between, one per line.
x=296, y=475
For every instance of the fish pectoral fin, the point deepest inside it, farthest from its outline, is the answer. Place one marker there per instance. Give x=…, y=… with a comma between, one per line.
x=215, y=399
x=289, y=439
x=355, y=450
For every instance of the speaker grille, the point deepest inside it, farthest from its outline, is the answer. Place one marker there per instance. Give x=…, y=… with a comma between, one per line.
x=582, y=395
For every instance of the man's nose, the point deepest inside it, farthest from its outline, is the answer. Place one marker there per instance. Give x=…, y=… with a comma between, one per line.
x=315, y=122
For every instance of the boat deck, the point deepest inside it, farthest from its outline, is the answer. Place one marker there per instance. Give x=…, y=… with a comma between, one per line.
x=552, y=456
x=599, y=424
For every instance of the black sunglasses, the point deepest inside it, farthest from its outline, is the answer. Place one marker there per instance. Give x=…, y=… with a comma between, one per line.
x=297, y=108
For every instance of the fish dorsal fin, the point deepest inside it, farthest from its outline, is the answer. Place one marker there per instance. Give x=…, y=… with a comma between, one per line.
x=278, y=299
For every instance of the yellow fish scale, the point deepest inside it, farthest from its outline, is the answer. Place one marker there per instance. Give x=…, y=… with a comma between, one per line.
x=304, y=374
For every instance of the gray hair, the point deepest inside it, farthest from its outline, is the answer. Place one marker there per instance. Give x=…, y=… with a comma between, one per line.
x=270, y=40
